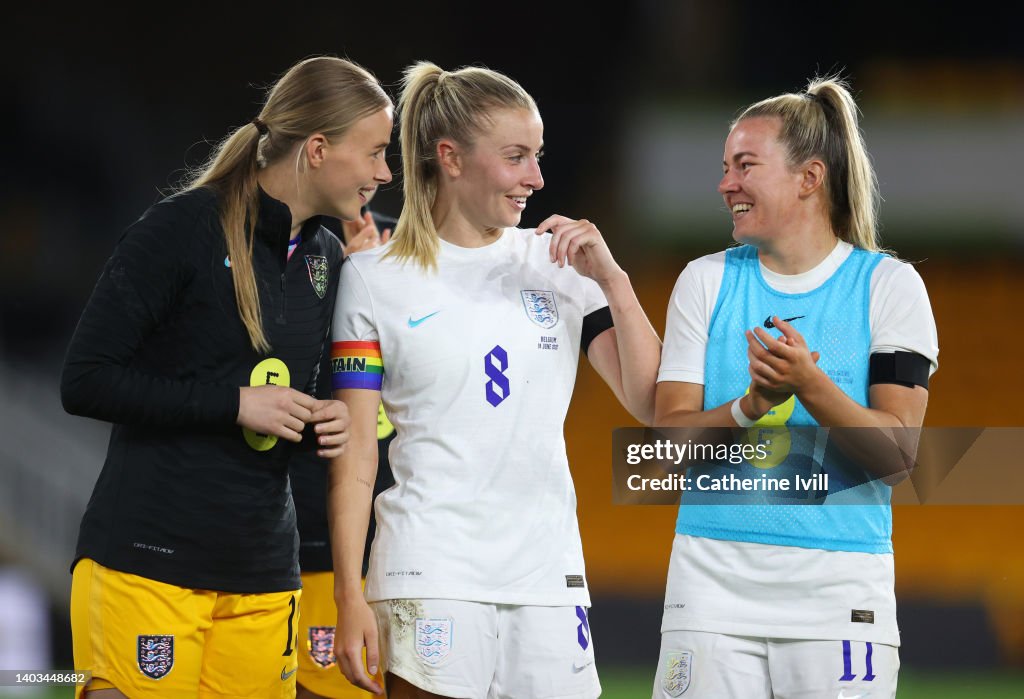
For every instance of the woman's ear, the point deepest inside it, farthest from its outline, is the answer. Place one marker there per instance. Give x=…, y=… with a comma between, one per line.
x=315, y=150
x=813, y=177
x=449, y=157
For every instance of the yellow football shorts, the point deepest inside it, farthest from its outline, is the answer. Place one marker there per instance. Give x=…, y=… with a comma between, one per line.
x=151, y=639
x=318, y=668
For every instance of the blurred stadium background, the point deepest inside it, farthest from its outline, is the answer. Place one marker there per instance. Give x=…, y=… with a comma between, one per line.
x=103, y=111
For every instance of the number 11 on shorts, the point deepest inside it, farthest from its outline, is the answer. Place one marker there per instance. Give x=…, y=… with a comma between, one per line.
x=848, y=675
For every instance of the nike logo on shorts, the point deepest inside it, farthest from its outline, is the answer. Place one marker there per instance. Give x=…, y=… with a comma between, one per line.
x=582, y=664
x=286, y=675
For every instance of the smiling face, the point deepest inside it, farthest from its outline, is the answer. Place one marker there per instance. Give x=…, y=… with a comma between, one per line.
x=495, y=176
x=352, y=167
x=759, y=187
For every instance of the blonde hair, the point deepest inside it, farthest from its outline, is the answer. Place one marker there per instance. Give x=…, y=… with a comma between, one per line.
x=822, y=122
x=435, y=104
x=324, y=95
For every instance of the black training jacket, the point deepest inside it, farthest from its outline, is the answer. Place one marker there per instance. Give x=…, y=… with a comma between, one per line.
x=161, y=352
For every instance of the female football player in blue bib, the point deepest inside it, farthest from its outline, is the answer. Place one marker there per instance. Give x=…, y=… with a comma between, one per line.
x=805, y=323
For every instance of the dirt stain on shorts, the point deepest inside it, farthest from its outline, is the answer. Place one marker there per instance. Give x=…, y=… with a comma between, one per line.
x=403, y=617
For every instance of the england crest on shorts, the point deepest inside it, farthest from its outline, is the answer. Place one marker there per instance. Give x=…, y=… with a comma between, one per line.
x=317, y=265
x=678, y=670
x=321, y=645
x=433, y=639
x=540, y=307
x=155, y=655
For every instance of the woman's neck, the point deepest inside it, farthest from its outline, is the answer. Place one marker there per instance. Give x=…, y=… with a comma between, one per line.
x=794, y=256
x=280, y=182
x=453, y=227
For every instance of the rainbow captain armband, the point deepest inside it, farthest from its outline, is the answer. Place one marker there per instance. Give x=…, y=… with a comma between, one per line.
x=356, y=365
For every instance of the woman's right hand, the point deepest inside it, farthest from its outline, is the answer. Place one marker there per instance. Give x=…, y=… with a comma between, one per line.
x=275, y=410
x=763, y=399
x=356, y=630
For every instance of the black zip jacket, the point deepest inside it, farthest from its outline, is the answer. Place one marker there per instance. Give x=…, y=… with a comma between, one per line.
x=309, y=472
x=161, y=352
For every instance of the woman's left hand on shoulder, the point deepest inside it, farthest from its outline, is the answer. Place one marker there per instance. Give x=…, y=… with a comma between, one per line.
x=362, y=234
x=331, y=422
x=580, y=244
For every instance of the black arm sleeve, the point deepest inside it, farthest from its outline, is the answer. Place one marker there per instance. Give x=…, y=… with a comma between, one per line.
x=320, y=388
x=904, y=368
x=594, y=324
x=135, y=293
x=320, y=384
x=320, y=381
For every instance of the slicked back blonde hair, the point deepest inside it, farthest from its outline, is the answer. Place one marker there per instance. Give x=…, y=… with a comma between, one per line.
x=435, y=104
x=822, y=123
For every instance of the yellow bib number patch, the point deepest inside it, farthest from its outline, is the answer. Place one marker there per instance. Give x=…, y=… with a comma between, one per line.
x=771, y=432
x=384, y=426
x=270, y=371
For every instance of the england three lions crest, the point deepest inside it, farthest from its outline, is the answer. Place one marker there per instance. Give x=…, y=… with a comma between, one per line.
x=433, y=639
x=155, y=655
x=321, y=645
x=678, y=671
x=317, y=265
x=540, y=307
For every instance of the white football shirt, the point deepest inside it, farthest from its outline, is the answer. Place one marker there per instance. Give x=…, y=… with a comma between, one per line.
x=479, y=362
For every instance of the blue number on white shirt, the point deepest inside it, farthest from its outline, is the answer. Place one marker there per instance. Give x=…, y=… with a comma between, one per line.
x=495, y=364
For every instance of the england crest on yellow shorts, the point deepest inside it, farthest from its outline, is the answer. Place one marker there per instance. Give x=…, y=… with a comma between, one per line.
x=155, y=655
x=321, y=646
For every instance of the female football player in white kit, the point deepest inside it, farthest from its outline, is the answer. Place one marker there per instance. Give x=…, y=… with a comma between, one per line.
x=792, y=600
x=470, y=330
